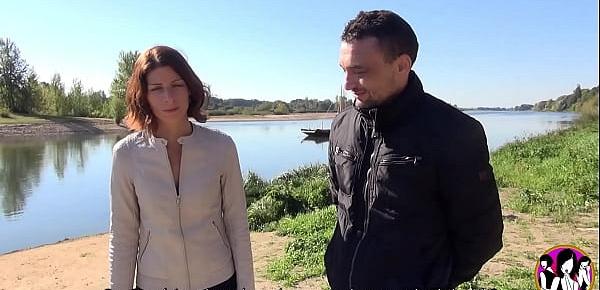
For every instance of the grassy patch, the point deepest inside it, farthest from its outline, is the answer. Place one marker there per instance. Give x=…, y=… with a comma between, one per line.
x=12, y=118
x=304, y=254
x=556, y=174
x=297, y=191
x=514, y=278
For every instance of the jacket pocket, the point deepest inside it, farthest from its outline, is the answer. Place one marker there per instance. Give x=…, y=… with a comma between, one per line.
x=400, y=160
x=406, y=184
x=149, y=260
x=345, y=164
x=221, y=235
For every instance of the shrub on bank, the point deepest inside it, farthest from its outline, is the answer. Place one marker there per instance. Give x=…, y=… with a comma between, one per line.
x=297, y=191
x=4, y=112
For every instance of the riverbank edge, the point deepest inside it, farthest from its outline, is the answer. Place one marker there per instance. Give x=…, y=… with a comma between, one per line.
x=82, y=126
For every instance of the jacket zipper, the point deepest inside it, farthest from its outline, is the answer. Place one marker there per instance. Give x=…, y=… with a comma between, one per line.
x=367, y=196
x=187, y=266
x=178, y=202
x=345, y=153
x=402, y=160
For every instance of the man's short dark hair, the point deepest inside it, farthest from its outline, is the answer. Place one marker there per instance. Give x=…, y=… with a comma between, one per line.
x=546, y=258
x=395, y=35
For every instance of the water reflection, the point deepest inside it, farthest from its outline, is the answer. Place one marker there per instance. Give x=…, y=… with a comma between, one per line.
x=20, y=166
x=22, y=161
x=314, y=139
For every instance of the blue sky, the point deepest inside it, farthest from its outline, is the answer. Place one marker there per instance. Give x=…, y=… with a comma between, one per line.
x=472, y=53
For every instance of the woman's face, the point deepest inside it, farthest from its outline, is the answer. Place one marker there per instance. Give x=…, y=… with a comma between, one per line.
x=567, y=266
x=168, y=95
x=583, y=265
x=544, y=265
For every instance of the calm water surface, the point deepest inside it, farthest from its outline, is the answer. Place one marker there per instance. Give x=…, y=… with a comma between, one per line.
x=57, y=188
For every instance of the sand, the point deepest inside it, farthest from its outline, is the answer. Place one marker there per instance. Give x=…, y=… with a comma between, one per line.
x=83, y=264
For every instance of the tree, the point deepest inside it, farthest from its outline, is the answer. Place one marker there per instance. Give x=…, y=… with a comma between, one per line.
x=118, y=86
x=97, y=102
x=326, y=106
x=57, y=96
x=281, y=108
x=79, y=105
x=577, y=92
x=14, y=74
x=265, y=107
x=32, y=95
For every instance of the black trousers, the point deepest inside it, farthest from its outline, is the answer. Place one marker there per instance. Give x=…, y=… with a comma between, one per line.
x=230, y=284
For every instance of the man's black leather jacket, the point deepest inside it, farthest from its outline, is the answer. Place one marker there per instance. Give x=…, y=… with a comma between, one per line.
x=417, y=201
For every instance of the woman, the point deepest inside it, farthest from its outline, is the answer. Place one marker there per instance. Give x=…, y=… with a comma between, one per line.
x=178, y=208
x=546, y=276
x=584, y=273
x=565, y=262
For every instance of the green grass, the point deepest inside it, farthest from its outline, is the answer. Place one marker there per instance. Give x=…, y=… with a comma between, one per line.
x=514, y=278
x=7, y=118
x=554, y=174
x=12, y=118
x=304, y=254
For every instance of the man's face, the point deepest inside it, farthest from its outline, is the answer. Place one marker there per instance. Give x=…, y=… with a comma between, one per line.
x=367, y=74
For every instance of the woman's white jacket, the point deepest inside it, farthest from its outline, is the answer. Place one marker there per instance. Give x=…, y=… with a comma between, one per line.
x=193, y=239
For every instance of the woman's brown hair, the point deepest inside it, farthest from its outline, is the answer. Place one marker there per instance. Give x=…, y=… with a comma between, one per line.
x=139, y=115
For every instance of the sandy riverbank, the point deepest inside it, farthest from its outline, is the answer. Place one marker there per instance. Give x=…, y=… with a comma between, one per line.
x=52, y=127
x=83, y=264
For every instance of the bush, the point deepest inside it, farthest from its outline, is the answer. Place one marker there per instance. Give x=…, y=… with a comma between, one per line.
x=263, y=211
x=4, y=112
x=313, y=194
x=254, y=187
x=297, y=191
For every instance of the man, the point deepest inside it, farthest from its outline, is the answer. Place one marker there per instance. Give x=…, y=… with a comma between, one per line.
x=417, y=202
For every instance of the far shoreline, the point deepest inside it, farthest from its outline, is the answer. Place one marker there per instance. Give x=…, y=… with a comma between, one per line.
x=288, y=117
x=59, y=126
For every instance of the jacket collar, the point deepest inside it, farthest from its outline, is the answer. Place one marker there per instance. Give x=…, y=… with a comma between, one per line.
x=145, y=136
x=400, y=106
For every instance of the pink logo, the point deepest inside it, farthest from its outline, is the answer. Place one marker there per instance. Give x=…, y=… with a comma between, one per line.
x=564, y=267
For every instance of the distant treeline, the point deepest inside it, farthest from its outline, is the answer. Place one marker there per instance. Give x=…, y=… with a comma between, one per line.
x=218, y=106
x=486, y=109
x=21, y=92
x=578, y=101
x=581, y=100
